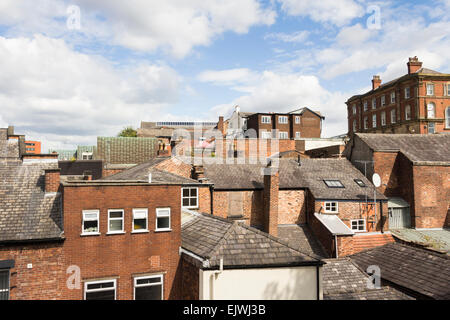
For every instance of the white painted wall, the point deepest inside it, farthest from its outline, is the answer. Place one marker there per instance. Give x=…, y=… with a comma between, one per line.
x=314, y=143
x=294, y=283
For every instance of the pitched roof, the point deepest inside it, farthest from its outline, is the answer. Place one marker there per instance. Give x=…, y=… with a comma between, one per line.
x=343, y=280
x=438, y=240
x=213, y=238
x=126, y=149
x=414, y=269
x=310, y=174
x=9, y=149
x=418, y=148
x=335, y=225
x=26, y=211
x=141, y=172
x=301, y=238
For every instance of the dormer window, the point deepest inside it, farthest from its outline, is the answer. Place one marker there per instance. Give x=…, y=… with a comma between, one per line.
x=334, y=183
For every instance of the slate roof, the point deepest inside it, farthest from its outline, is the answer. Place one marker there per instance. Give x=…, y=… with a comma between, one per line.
x=9, y=149
x=420, y=271
x=141, y=171
x=126, y=150
x=301, y=238
x=343, y=280
x=438, y=240
x=26, y=212
x=310, y=174
x=418, y=148
x=240, y=246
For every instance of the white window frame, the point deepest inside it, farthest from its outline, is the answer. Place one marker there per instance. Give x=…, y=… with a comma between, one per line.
x=354, y=126
x=365, y=105
x=135, y=285
x=428, y=110
x=447, y=91
x=88, y=155
x=383, y=100
x=393, y=116
x=358, y=224
x=447, y=118
x=163, y=215
x=430, y=86
x=102, y=289
x=408, y=112
x=374, y=103
x=383, y=118
x=266, y=134
x=334, y=183
x=267, y=118
x=283, y=119
x=297, y=119
x=283, y=135
x=374, y=121
x=366, y=123
x=297, y=134
x=138, y=211
x=83, y=219
x=189, y=207
x=407, y=92
x=354, y=109
x=393, y=97
x=123, y=221
x=330, y=209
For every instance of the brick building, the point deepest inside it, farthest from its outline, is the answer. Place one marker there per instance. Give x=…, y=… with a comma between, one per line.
x=415, y=175
x=33, y=146
x=418, y=102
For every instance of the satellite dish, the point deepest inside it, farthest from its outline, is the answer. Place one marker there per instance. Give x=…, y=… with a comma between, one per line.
x=376, y=180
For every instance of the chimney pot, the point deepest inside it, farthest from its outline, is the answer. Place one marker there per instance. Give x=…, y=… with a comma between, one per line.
x=414, y=65
x=376, y=82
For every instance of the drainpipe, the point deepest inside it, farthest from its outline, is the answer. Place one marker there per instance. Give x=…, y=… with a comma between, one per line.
x=381, y=217
x=318, y=282
x=211, y=197
x=336, y=246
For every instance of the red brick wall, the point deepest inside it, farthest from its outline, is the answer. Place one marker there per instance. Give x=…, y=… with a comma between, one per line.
x=190, y=283
x=122, y=255
x=175, y=166
x=204, y=199
x=310, y=125
x=322, y=234
x=291, y=207
x=45, y=280
x=271, y=190
x=345, y=245
x=110, y=172
x=52, y=180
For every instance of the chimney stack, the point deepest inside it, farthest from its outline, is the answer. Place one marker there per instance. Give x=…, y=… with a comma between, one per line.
x=52, y=180
x=376, y=82
x=220, y=125
x=414, y=65
x=271, y=188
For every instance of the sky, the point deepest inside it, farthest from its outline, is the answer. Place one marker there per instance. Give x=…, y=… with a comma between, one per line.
x=74, y=70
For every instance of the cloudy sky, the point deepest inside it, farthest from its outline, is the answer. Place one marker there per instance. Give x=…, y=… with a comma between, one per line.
x=74, y=70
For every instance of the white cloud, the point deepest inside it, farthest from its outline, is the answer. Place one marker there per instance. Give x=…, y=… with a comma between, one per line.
x=47, y=87
x=336, y=12
x=353, y=36
x=227, y=77
x=298, y=36
x=287, y=92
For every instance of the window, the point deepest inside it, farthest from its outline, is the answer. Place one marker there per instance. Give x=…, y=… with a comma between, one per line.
x=140, y=220
x=265, y=119
x=86, y=156
x=91, y=222
x=4, y=284
x=148, y=288
x=374, y=121
x=431, y=128
x=448, y=89
x=189, y=198
x=334, y=184
x=282, y=135
x=365, y=105
x=354, y=109
x=297, y=119
x=407, y=93
x=431, y=110
x=392, y=97
x=354, y=125
x=360, y=183
x=393, y=116
x=447, y=118
x=100, y=290
x=297, y=134
x=115, y=221
x=383, y=100
x=330, y=207
x=374, y=103
x=366, y=123
x=408, y=112
x=162, y=219
x=358, y=225
x=430, y=89
x=383, y=118
x=266, y=134
x=282, y=119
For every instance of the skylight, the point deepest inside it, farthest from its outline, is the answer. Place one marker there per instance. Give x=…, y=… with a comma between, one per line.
x=334, y=183
x=360, y=183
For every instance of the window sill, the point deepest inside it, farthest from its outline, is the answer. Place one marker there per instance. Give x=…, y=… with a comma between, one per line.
x=90, y=234
x=190, y=208
x=119, y=232
x=163, y=230
x=140, y=231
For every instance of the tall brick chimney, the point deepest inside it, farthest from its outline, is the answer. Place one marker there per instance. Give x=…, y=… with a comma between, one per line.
x=413, y=65
x=52, y=180
x=376, y=82
x=220, y=125
x=271, y=187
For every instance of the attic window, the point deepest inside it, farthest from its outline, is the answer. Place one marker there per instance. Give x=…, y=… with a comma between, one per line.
x=334, y=184
x=360, y=183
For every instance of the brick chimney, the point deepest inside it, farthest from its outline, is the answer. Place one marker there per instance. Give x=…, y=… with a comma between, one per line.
x=220, y=125
x=52, y=180
x=271, y=187
x=376, y=82
x=413, y=65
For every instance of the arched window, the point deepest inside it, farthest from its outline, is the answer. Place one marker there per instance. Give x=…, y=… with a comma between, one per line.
x=447, y=118
x=431, y=110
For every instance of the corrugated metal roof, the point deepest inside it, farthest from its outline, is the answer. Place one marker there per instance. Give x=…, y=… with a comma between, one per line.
x=397, y=203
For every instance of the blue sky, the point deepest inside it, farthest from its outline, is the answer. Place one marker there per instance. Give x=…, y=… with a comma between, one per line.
x=195, y=60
